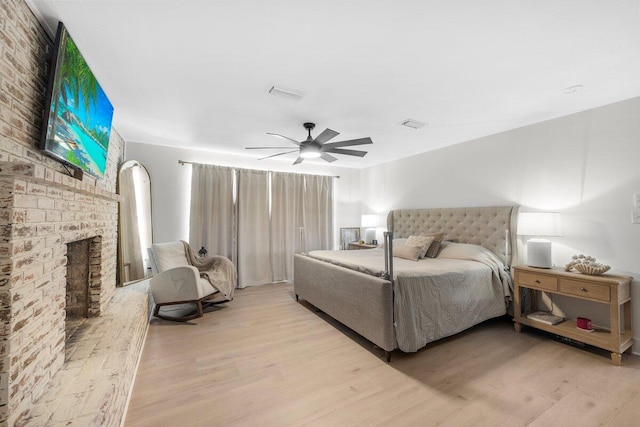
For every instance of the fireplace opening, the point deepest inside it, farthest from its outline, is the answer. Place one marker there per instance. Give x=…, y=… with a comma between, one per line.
x=78, y=279
x=83, y=282
x=84, y=278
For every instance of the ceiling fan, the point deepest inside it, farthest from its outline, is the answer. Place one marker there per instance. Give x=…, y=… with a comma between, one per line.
x=312, y=148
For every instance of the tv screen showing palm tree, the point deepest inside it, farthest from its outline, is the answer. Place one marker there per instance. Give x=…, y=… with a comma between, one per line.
x=78, y=122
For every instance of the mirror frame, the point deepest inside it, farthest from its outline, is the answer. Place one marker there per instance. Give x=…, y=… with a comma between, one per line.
x=120, y=267
x=349, y=235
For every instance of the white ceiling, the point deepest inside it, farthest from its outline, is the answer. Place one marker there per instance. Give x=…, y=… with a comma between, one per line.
x=195, y=73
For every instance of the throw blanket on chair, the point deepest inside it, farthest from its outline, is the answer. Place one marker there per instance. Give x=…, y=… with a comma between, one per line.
x=218, y=270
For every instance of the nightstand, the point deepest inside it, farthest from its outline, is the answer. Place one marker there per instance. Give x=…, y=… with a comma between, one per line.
x=356, y=245
x=614, y=291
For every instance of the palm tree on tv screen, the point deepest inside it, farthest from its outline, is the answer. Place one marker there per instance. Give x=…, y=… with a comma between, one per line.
x=77, y=78
x=74, y=80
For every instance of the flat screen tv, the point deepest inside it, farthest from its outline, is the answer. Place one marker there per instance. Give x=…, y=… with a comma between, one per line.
x=78, y=114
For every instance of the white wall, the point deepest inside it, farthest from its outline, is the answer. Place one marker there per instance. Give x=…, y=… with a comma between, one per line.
x=586, y=166
x=171, y=182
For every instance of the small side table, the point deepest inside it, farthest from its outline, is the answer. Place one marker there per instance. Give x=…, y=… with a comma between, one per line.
x=610, y=290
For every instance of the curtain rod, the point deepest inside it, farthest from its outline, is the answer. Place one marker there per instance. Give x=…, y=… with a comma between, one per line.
x=185, y=162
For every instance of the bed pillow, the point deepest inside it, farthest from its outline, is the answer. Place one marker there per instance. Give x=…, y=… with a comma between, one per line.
x=395, y=242
x=401, y=250
x=432, y=252
x=423, y=242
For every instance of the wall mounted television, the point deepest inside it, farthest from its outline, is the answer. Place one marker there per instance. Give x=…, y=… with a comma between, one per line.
x=78, y=114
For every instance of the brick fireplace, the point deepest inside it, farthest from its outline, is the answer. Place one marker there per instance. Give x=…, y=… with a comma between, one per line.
x=41, y=212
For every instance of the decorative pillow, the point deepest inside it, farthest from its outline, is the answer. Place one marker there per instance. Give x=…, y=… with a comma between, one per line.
x=422, y=242
x=407, y=252
x=432, y=252
x=395, y=242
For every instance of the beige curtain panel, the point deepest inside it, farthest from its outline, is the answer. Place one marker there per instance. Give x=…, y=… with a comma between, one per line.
x=254, y=263
x=318, y=212
x=212, y=215
x=270, y=217
x=287, y=201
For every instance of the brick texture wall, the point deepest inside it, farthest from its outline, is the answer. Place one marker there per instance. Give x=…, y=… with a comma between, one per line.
x=41, y=209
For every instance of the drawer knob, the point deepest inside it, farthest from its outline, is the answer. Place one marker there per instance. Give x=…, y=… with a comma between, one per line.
x=583, y=289
x=537, y=281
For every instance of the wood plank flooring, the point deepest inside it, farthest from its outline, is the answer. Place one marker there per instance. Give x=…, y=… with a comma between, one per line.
x=266, y=360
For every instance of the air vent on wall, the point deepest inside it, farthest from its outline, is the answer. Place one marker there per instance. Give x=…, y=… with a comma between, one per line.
x=413, y=124
x=292, y=94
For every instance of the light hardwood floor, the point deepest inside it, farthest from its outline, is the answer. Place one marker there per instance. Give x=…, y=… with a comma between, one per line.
x=266, y=360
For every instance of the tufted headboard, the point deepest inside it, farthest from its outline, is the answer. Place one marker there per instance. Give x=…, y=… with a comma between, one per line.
x=484, y=226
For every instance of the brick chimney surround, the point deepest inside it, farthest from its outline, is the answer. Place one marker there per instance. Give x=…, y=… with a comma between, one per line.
x=42, y=210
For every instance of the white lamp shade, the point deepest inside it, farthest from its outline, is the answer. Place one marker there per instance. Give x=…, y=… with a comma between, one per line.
x=373, y=221
x=539, y=224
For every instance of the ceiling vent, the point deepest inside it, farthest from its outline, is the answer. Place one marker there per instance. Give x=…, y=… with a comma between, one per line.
x=413, y=124
x=291, y=94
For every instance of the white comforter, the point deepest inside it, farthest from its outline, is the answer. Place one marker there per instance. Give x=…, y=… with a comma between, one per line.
x=436, y=297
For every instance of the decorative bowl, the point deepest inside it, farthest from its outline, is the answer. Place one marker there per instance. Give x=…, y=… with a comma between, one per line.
x=593, y=270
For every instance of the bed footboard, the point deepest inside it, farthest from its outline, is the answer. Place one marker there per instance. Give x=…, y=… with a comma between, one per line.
x=362, y=302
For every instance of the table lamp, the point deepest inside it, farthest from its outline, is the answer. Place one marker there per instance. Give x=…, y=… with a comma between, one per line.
x=539, y=224
x=370, y=223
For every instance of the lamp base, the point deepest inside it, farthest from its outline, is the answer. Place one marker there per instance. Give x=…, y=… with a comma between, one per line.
x=369, y=235
x=539, y=253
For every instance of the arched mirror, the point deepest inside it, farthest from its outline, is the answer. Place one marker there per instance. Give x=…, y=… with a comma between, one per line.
x=135, y=234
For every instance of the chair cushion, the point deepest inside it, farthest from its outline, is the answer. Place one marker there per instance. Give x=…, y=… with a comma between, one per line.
x=169, y=255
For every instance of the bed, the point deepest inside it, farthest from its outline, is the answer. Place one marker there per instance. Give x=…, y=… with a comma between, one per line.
x=407, y=304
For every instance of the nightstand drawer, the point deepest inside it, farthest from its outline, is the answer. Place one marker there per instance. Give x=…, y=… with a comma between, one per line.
x=538, y=281
x=587, y=290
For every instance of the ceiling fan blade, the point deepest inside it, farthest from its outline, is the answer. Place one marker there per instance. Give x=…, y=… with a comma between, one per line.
x=327, y=157
x=298, y=160
x=347, y=152
x=359, y=141
x=279, y=154
x=284, y=137
x=326, y=135
x=263, y=148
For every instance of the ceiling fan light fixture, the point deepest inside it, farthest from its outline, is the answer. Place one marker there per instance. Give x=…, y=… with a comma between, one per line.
x=310, y=152
x=310, y=155
x=413, y=124
x=319, y=147
x=283, y=92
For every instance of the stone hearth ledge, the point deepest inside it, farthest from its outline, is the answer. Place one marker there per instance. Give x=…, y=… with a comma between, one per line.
x=101, y=359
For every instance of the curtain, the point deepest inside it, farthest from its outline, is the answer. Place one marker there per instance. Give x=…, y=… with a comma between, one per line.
x=212, y=218
x=318, y=213
x=255, y=218
x=132, y=261
x=254, y=264
x=287, y=191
